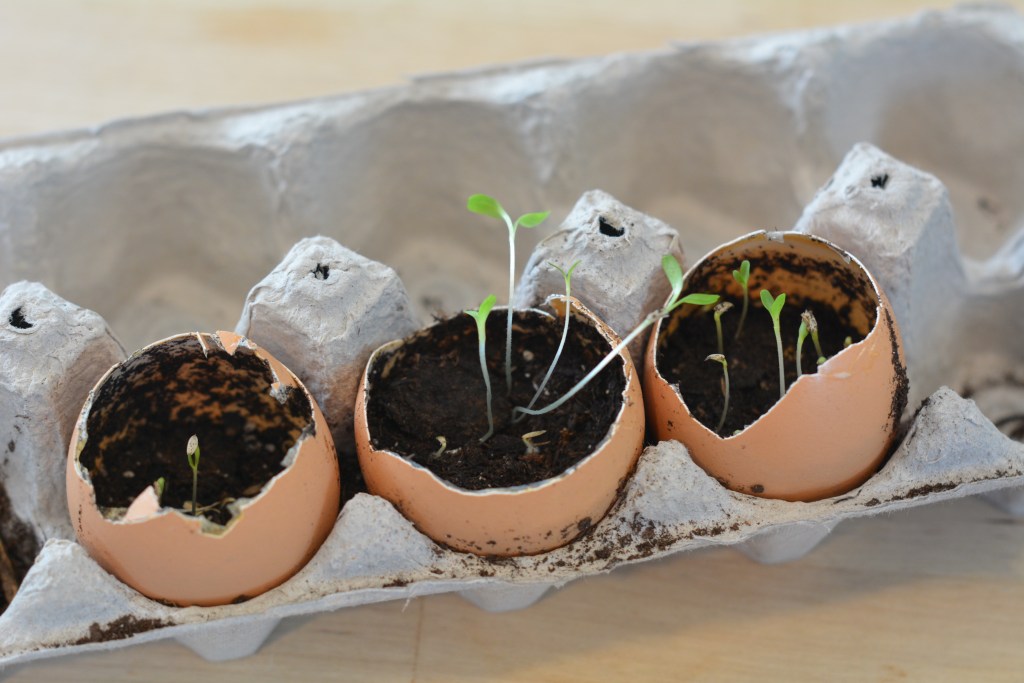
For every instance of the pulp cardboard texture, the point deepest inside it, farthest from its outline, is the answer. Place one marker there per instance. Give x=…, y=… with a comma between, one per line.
x=162, y=225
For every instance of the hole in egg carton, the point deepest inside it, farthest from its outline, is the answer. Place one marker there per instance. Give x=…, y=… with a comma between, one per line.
x=17, y=319
x=938, y=459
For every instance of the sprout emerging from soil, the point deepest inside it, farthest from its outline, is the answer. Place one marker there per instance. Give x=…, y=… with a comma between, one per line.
x=774, y=307
x=160, y=484
x=531, y=447
x=192, y=452
x=719, y=358
x=480, y=316
x=848, y=342
x=742, y=276
x=719, y=310
x=675, y=277
x=488, y=206
x=444, y=446
x=801, y=335
x=812, y=327
x=567, y=276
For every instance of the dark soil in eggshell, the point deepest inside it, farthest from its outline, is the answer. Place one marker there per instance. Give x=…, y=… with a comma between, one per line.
x=144, y=414
x=753, y=358
x=435, y=388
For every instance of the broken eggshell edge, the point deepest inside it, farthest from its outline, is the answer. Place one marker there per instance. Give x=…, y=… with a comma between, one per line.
x=177, y=558
x=520, y=520
x=829, y=433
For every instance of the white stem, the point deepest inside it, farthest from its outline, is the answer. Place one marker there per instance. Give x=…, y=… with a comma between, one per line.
x=511, y=292
x=487, y=383
x=782, y=371
x=598, y=368
x=799, y=367
x=725, y=408
x=554, y=361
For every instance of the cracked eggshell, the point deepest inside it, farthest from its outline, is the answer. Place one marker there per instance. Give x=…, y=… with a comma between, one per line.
x=174, y=557
x=521, y=520
x=832, y=429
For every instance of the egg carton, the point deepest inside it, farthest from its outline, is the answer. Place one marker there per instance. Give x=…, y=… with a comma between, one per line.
x=163, y=225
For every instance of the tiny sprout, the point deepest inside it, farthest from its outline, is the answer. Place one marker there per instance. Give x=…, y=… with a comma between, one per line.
x=674, y=273
x=801, y=336
x=812, y=327
x=528, y=438
x=774, y=307
x=719, y=358
x=848, y=342
x=567, y=276
x=480, y=316
x=720, y=309
x=444, y=446
x=159, y=485
x=742, y=276
x=488, y=206
x=192, y=452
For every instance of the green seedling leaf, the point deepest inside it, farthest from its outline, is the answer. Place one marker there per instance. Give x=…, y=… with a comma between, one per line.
x=532, y=220
x=486, y=206
x=674, y=273
x=480, y=314
x=159, y=485
x=742, y=275
x=700, y=299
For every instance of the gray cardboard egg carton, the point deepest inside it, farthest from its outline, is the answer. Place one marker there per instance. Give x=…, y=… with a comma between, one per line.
x=163, y=224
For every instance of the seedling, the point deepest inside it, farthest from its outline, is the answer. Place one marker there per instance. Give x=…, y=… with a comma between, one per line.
x=742, y=276
x=567, y=276
x=812, y=327
x=848, y=342
x=192, y=452
x=675, y=277
x=774, y=307
x=444, y=446
x=488, y=206
x=801, y=335
x=719, y=358
x=159, y=485
x=531, y=447
x=480, y=316
x=719, y=310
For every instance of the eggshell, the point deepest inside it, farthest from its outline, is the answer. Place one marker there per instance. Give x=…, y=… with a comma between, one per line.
x=169, y=555
x=519, y=520
x=832, y=429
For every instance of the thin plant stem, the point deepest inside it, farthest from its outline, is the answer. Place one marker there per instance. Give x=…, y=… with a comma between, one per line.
x=511, y=293
x=743, y=313
x=554, y=361
x=782, y=370
x=195, y=489
x=487, y=383
x=800, y=337
x=725, y=408
x=598, y=368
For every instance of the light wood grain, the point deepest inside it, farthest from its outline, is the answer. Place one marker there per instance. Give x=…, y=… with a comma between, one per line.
x=933, y=594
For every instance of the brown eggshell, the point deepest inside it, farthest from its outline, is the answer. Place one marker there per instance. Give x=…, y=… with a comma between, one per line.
x=832, y=429
x=521, y=520
x=166, y=555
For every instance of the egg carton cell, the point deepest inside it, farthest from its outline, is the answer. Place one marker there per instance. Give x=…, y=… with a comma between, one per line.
x=163, y=225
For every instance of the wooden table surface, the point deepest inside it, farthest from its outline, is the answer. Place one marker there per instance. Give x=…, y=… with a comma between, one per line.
x=935, y=593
